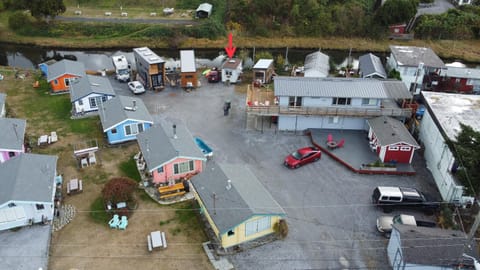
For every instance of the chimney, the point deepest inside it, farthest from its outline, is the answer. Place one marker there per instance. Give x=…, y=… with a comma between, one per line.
x=174, y=131
x=229, y=184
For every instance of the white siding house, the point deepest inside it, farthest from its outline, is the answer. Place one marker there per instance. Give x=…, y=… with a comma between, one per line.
x=336, y=103
x=88, y=92
x=232, y=70
x=27, y=190
x=413, y=63
x=441, y=121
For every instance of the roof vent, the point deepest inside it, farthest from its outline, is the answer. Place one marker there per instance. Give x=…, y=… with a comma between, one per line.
x=229, y=184
x=393, y=133
x=231, y=61
x=174, y=131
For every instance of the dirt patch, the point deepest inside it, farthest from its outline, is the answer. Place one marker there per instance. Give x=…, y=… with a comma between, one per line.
x=84, y=244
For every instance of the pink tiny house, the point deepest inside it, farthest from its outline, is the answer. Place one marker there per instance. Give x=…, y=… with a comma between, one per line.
x=168, y=154
x=390, y=139
x=11, y=138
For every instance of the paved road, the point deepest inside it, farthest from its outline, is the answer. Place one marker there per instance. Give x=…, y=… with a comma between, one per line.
x=126, y=20
x=438, y=7
x=330, y=217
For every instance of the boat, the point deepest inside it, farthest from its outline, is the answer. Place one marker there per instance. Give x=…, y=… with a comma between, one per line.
x=206, y=150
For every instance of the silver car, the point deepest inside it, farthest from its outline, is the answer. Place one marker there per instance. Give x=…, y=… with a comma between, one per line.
x=136, y=87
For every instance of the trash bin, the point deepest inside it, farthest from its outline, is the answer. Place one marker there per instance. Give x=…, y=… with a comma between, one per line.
x=226, y=107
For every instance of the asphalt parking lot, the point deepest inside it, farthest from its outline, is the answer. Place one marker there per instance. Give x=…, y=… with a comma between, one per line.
x=329, y=212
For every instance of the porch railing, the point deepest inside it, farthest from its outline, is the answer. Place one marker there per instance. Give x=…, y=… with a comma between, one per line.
x=327, y=111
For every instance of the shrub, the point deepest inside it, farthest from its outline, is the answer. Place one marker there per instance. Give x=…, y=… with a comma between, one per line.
x=119, y=189
x=18, y=20
x=281, y=228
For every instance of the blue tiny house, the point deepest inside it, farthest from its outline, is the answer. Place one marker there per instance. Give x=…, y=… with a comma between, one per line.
x=123, y=118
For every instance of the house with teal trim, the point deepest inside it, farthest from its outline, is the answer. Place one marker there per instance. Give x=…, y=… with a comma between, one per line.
x=235, y=204
x=86, y=93
x=12, y=134
x=123, y=118
x=168, y=153
x=27, y=190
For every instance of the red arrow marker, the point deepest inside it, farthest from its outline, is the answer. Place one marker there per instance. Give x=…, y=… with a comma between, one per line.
x=230, y=49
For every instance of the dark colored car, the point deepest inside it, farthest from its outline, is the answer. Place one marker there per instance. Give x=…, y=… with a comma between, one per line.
x=214, y=76
x=390, y=198
x=302, y=156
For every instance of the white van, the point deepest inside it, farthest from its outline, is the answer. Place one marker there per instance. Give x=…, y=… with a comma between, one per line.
x=122, y=68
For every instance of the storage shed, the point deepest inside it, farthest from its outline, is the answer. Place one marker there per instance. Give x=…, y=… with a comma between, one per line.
x=263, y=71
x=204, y=10
x=188, y=70
x=231, y=70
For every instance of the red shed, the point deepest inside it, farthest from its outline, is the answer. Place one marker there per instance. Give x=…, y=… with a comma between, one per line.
x=390, y=139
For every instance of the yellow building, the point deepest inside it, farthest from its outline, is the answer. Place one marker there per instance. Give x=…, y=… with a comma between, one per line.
x=235, y=203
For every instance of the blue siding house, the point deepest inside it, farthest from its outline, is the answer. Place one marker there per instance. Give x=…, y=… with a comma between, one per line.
x=123, y=118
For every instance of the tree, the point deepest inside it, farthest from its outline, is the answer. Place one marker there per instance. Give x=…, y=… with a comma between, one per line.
x=46, y=8
x=118, y=189
x=396, y=11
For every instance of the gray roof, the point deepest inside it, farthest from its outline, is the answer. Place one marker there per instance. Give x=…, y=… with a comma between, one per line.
x=205, y=7
x=317, y=64
x=391, y=131
x=412, y=56
x=90, y=84
x=263, y=64
x=452, y=109
x=159, y=146
x=338, y=87
x=232, y=63
x=370, y=65
x=63, y=67
x=245, y=198
x=187, y=61
x=12, y=133
x=28, y=177
x=148, y=55
x=120, y=109
x=458, y=72
x=431, y=246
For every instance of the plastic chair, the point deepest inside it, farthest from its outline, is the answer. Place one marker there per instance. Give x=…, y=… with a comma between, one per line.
x=329, y=138
x=123, y=223
x=114, y=222
x=340, y=143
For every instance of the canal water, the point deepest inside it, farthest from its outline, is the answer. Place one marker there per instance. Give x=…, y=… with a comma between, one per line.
x=30, y=56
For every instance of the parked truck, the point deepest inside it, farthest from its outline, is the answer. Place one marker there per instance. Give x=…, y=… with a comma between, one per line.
x=384, y=223
x=122, y=68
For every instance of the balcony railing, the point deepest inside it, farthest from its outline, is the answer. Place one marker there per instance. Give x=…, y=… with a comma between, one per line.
x=328, y=111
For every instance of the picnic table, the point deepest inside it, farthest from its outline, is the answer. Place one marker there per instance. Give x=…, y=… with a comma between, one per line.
x=156, y=239
x=74, y=185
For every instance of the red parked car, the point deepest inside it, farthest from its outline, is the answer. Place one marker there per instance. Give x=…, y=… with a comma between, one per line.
x=302, y=156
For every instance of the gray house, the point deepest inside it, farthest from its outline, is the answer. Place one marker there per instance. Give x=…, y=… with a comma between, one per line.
x=86, y=93
x=150, y=68
x=370, y=66
x=168, y=153
x=412, y=247
x=12, y=134
x=27, y=190
x=3, y=98
x=334, y=103
x=235, y=204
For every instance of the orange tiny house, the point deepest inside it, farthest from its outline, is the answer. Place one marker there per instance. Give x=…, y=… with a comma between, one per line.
x=61, y=73
x=188, y=70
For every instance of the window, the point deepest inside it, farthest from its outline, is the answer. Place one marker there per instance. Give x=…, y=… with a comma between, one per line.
x=132, y=129
x=230, y=233
x=55, y=82
x=80, y=102
x=341, y=101
x=393, y=148
x=295, y=101
x=67, y=81
x=93, y=102
x=11, y=154
x=369, y=101
x=40, y=206
x=140, y=127
x=405, y=148
x=189, y=76
x=333, y=120
x=257, y=225
x=457, y=80
x=104, y=98
x=12, y=204
x=469, y=82
x=183, y=167
x=114, y=130
x=160, y=170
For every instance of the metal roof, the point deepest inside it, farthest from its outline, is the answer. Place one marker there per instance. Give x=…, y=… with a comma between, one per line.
x=317, y=64
x=263, y=64
x=370, y=65
x=452, y=109
x=187, y=61
x=412, y=56
x=120, y=109
x=159, y=145
x=148, y=55
x=432, y=246
x=467, y=73
x=391, y=131
x=206, y=7
x=12, y=133
x=63, y=67
x=28, y=177
x=338, y=87
x=232, y=63
x=90, y=84
x=233, y=204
